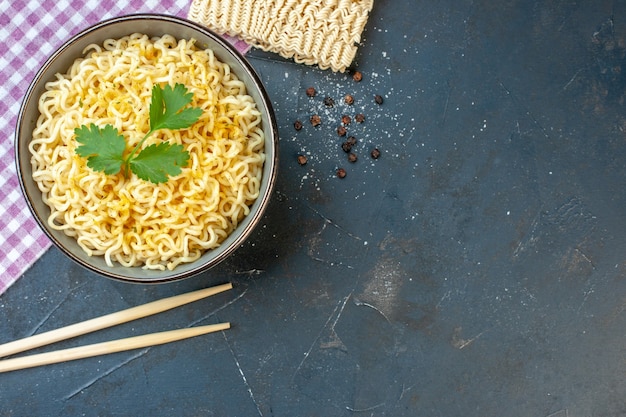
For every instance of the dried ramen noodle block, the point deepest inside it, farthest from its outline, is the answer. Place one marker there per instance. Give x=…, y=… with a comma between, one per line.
x=315, y=32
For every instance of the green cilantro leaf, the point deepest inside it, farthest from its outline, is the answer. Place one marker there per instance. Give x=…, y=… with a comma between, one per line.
x=155, y=162
x=173, y=116
x=103, y=148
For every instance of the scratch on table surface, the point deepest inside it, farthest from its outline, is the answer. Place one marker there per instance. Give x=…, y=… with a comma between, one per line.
x=529, y=240
x=250, y=272
x=343, y=306
x=461, y=343
x=405, y=389
x=572, y=79
x=55, y=308
x=336, y=314
x=315, y=241
x=217, y=310
x=242, y=374
x=362, y=410
x=106, y=373
x=445, y=297
x=445, y=107
x=585, y=257
x=360, y=303
x=560, y=413
x=525, y=109
x=335, y=341
x=330, y=222
x=265, y=360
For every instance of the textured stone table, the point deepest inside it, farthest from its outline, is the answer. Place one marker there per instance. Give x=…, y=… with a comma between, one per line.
x=476, y=268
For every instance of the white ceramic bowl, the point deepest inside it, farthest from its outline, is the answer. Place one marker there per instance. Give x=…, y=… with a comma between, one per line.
x=152, y=25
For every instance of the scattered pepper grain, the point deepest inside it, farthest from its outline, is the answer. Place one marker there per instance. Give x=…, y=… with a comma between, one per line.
x=352, y=157
x=349, y=99
x=302, y=160
x=311, y=92
x=375, y=153
x=316, y=120
x=341, y=173
x=329, y=102
x=345, y=119
x=359, y=118
x=297, y=125
x=348, y=144
x=378, y=99
x=357, y=76
x=341, y=131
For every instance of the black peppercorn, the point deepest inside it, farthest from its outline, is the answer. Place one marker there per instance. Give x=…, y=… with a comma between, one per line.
x=378, y=99
x=348, y=144
x=375, y=153
x=341, y=131
x=316, y=120
x=302, y=160
x=345, y=119
x=360, y=118
x=311, y=92
x=297, y=125
x=357, y=76
x=329, y=102
x=352, y=157
x=341, y=173
x=349, y=99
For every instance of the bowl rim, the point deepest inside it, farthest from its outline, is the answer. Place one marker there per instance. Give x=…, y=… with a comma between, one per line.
x=250, y=220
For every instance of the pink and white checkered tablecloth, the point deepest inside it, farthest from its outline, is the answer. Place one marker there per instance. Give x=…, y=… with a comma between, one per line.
x=30, y=30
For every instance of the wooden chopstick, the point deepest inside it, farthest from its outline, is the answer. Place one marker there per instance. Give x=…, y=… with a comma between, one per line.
x=104, y=348
x=108, y=320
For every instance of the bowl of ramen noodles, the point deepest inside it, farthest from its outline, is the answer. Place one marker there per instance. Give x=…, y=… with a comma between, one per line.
x=147, y=148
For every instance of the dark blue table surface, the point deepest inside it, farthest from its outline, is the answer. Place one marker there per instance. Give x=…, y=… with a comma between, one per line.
x=477, y=268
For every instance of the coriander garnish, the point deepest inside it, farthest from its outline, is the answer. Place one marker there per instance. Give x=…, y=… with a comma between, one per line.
x=105, y=148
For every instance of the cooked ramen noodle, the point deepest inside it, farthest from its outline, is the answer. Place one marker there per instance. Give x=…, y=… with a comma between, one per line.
x=126, y=219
